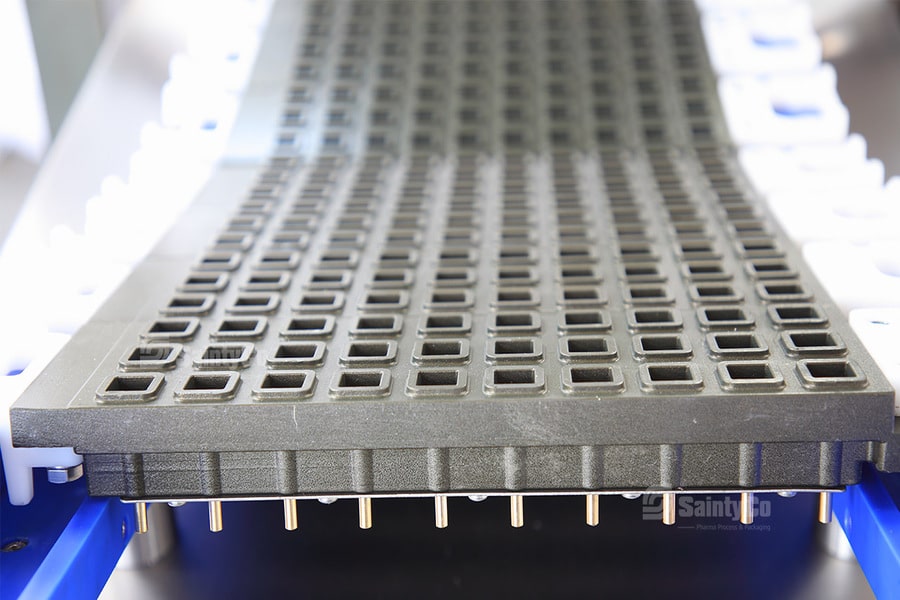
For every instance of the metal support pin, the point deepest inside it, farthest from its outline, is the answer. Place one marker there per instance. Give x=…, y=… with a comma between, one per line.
x=290, y=514
x=516, y=512
x=592, y=509
x=215, y=516
x=365, y=513
x=140, y=514
x=824, y=507
x=668, y=506
x=747, y=508
x=440, y=512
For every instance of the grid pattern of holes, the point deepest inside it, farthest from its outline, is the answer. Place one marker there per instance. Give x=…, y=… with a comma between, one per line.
x=539, y=228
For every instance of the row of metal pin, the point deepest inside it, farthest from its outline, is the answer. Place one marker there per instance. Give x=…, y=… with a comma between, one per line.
x=516, y=511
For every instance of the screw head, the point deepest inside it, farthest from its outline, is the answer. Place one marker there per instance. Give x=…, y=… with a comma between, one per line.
x=64, y=474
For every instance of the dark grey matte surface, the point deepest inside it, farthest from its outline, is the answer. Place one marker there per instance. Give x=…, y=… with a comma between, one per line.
x=615, y=193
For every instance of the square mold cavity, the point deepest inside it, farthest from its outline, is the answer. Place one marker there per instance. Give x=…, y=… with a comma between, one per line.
x=736, y=345
x=714, y=293
x=172, y=329
x=309, y=326
x=321, y=301
x=241, y=328
x=813, y=343
x=254, y=304
x=291, y=355
x=650, y=319
x=749, y=375
x=261, y=281
x=285, y=386
x=514, y=381
x=369, y=353
x=441, y=351
x=788, y=316
x=783, y=291
x=392, y=278
x=445, y=324
x=377, y=326
x=130, y=388
x=361, y=384
x=437, y=382
x=327, y=279
x=514, y=323
x=830, y=374
x=521, y=297
x=384, y=301
x=578, y=321
x=670, y=377
x=520, y=349
x=661, y=346
x=204, y=282
x=189, y=305
x=210, y=386
x=449, y=299
x=725, y=317
x=648, y=294
x=225, y=356
x=587, y=348
x=592, y=380
x=151, y=357
x=581, y=297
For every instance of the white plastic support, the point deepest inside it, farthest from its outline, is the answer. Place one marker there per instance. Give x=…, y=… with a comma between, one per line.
x=784, y=109
x=879, y=330
x=17, y=370
x=757, y=40
x=860, y=275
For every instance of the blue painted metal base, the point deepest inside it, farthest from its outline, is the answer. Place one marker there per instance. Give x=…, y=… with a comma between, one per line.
x=870, y=515
x=62, y=545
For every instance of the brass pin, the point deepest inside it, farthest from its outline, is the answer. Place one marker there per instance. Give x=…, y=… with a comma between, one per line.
x=516, y=513
x=747, y=508
x=824, y=507
x=440, y=512
x=365, y=513
x=140, y=513
x=668, y=506
x=592, y=509
x=215, y=516
x=290, y=514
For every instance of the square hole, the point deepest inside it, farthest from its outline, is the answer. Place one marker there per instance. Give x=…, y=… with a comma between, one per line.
x=320, y=302
x=812, y=343
x=172, y=329
x=292, y=355
x=592, y=380
x=509, y=297
x=584, y=320
x=446, y=324
x=285, y=385
x=579, y=274
x=648, y=294
x=205, y=282
x=736, y=345
x=705, y=271
x=724, y=317
x=361, y=384
x=676, y=377
x=437, y=382
x=581, y=296
x=661, y=346
x=797, y=315
x=189, y=304
x=786, y=291
x=225, y=356
x=386, y=300
x=512, y=323
x=311, y=326
x=737, y=376
x=267, y=282
x=826, y=374
x=430, y=351
x=378, y=326
x=370, y=353
x=219, y=261
x=249, y=328
x=278, y=260
x=770, y=269
x=446, y=298
x=714, y=293
x=337, y=279
x=644, y=319
x=147, y=357
x=513, y=380
x=641, y=272
x=257, y=304
x=514, y=350
x=130, y=388
x=392, y=278
x=209, y=387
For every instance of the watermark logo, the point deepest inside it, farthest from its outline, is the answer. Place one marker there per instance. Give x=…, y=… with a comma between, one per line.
x=723, y=507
